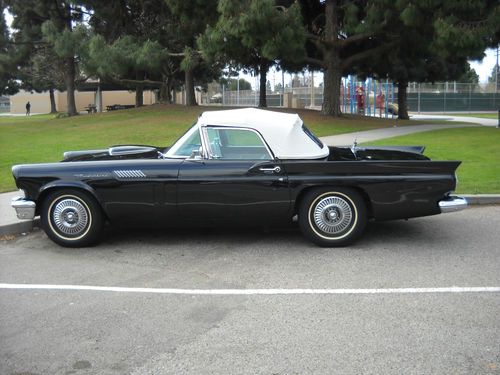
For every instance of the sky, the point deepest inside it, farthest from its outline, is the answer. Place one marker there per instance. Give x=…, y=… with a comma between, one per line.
x=483, y=68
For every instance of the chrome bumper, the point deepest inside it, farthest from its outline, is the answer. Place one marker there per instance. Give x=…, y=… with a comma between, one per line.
x=452, y=204
x=25, y=209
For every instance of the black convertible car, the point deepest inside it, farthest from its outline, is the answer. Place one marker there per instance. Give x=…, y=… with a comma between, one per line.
x=244, y=167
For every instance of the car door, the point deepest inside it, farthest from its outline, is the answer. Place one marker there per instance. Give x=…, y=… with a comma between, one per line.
x=237, y=181
x=139, y=192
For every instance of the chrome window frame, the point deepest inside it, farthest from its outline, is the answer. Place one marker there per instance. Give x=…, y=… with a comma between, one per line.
x=207, y=151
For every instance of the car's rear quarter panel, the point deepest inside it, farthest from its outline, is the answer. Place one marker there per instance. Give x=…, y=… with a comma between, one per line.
x=392, y=189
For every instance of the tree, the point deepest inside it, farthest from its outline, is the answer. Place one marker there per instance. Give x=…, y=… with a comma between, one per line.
x=268, y=85
x=190, y=19
x=254, y=35
x=494, y=78
x=341, y=33
x=8, y=66
x=42, y=72
x=232, y=84
x=131, y=44
x=470, y=76
x=56, y=24
x=423, y=42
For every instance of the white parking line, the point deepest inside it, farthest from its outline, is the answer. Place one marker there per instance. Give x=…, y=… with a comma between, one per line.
x=236, y=292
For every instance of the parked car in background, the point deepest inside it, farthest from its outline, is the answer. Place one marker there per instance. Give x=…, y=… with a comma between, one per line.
x=245, y=166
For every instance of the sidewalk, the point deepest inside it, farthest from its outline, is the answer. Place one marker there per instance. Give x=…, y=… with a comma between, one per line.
x=472, y=120
x=376, y=134
x=10, y=224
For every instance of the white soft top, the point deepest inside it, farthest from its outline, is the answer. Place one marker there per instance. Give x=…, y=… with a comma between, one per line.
x=282, y=131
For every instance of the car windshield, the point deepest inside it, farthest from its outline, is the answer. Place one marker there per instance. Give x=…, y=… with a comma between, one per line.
x=186, y=144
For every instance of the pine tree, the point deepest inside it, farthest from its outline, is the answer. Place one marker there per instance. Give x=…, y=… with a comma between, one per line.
x=254, y=35
x=56, y=24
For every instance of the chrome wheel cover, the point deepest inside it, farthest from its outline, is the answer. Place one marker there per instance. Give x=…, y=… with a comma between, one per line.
x=332, y=215
x=70, y=217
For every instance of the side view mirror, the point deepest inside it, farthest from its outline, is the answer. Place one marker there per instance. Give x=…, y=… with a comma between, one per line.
x=196, y=154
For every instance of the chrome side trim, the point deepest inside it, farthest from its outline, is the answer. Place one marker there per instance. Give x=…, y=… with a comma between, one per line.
x=25, y=209
x=452, y=204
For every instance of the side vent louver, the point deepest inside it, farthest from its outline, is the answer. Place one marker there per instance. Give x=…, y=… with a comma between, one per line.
x=129, y=173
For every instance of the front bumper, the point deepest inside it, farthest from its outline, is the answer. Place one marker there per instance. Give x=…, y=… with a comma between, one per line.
x=452, y=204
x=25, y=209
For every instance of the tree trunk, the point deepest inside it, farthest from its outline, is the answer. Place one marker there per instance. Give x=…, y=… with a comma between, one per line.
x=264, y=66
x=170, y=83
x=189, y=83
x=331, y=58
x=53, y=108
x=139, y=90
x=139, y=98
x=331, y=90
x=402, y=102
x=69, y=78
x=165, y=93
x=162, y=93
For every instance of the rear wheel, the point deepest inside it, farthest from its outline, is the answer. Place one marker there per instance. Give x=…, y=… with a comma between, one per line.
x=332, y=217
x=71, y=218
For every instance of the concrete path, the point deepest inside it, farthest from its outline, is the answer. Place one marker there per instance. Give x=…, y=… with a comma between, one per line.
x=472, y=120
x=376, y=134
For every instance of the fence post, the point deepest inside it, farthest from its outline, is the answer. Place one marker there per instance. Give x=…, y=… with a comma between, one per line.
x=444, y=96
x=386, y=98
x=418, y=98
x=282, y=88
x=238, y=88
x=470, y=97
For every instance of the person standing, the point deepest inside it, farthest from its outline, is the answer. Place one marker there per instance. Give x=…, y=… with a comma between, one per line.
x=28, y=109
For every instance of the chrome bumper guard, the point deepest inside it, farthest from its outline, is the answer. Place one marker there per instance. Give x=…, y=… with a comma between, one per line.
x=452, y=204
x=25, y=209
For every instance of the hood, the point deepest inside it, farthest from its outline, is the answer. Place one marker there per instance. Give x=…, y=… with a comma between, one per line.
x=378, y=153
x=120, y=152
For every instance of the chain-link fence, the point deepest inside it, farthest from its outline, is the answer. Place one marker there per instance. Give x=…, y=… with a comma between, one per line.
x=372, y=97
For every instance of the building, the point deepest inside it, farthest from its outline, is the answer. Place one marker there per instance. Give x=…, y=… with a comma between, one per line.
x=40, y=102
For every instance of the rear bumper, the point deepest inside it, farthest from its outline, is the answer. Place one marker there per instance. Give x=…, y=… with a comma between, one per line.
x=25, y=209
x=452, y=204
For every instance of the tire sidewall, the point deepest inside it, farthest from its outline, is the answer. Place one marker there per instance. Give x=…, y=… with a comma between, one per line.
x=93, y=211
x=345, y=237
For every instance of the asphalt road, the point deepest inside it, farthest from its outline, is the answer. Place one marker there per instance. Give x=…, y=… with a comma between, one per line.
x=110, y=332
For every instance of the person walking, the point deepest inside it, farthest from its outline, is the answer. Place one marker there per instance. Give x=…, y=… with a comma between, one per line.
x=28, y=109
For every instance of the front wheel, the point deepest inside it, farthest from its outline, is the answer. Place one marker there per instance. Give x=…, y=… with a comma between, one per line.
x=71, y=218
x=332, y=217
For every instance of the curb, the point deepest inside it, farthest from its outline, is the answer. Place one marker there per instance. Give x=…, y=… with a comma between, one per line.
x=19, y=227
x=28, y=225
x=481, y=199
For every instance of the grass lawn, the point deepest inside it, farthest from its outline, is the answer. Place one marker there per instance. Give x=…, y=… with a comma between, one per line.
x=478, y=148
x=43, y=138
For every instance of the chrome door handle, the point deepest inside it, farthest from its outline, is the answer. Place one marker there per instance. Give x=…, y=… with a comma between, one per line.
x=273, y=169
